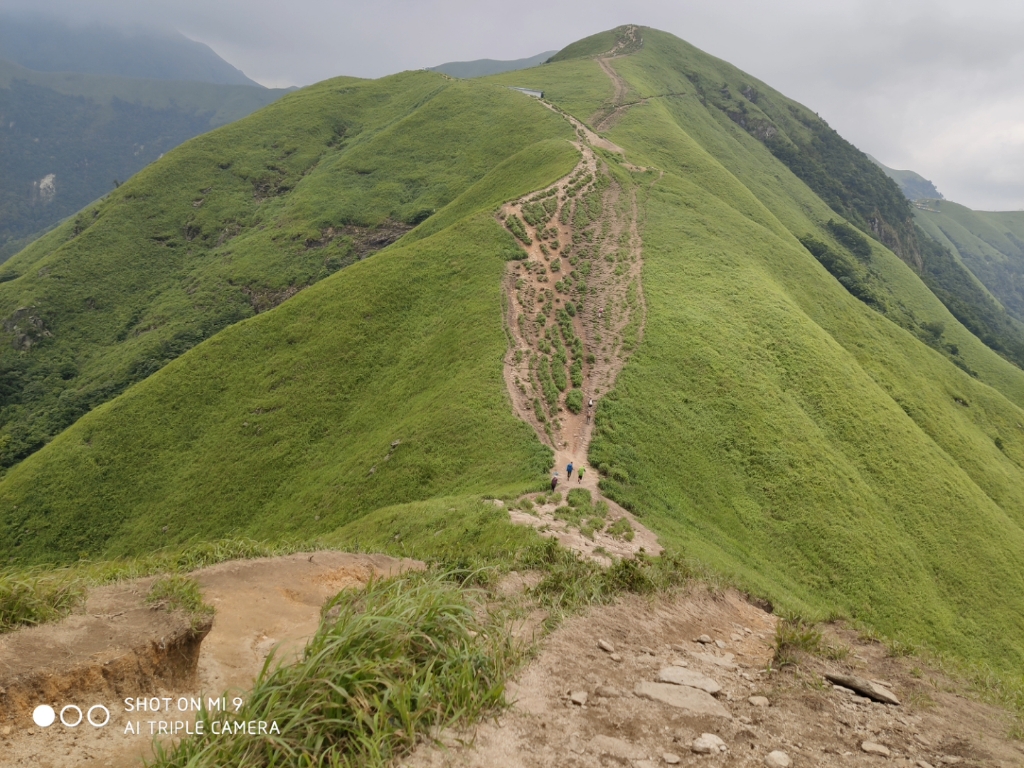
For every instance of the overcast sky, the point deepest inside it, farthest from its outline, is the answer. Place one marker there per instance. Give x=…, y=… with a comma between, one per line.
x=937, y=86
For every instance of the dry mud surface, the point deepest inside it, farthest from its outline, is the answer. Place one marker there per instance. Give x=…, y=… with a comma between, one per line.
x=578, y=705
x=260, y=604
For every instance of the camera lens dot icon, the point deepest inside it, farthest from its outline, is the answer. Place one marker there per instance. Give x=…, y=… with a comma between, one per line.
x=43, y=715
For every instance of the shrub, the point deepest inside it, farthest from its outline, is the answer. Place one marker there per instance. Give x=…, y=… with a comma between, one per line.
x=793, y=635
x=516, y=227
x=574, y=400
x=579, y=498
x=857, y=244
x=621, y=529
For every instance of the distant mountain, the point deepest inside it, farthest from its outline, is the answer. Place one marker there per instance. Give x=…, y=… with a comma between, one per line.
x=65, y=138
x=990, y=244
x=47, y=45
x=913, y=185
x=482, y=67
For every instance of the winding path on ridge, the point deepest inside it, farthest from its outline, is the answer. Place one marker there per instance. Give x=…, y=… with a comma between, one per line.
x=575, y=312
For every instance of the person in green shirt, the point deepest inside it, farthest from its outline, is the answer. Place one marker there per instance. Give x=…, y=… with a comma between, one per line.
x=579, y=473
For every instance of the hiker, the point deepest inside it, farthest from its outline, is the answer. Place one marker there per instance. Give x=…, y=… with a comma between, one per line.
x=591, y=403
x=579, y=475
x=568, y=471
x=554, y=482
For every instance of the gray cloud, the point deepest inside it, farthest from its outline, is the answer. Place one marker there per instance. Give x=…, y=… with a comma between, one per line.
x=933, y=86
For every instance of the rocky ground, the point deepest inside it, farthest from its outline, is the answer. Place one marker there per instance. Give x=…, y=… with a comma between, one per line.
x=687, y=680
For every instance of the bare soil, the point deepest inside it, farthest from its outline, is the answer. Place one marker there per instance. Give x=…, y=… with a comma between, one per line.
x=811, y=721
x=603, y=259
x=119, y=647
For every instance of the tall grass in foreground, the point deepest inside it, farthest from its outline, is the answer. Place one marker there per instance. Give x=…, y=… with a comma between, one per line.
x=36, y=595
x=389, y=665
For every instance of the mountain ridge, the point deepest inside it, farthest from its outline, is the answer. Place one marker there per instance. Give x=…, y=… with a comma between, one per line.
x=802, y=413
x=47, y=44
x=484, y=67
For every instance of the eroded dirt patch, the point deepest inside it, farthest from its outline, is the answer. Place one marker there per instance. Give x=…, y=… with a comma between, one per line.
x=108, y=653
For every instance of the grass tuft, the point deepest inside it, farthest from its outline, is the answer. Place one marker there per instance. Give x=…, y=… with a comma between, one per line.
x=176, y=592
x=389, y=665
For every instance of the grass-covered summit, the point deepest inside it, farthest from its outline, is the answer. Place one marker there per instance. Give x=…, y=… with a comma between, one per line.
x=803, y=413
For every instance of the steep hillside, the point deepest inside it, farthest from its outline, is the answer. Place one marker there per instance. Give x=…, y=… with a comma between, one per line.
x=766, y=423
x=48, y=44
x=230, y=225
x=990, y=244
x=799, y=411
x=66, y=139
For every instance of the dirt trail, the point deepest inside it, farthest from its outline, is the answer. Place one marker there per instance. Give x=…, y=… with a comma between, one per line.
x=100, y=656
x=577, y=704
x=606, y=117
x=575, y=312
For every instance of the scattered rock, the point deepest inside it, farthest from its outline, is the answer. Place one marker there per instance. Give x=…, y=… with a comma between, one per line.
x=680, y=663
x=5, y=731
x=864, y=687
x=678, y=648
x=721, y=643
x=671, y=759
x=609, y=745
x=648, y=651
x=579, y=698
x=725, y=662
x=615, y=657
x=950, y=759
x=680, y=676
x=923, y=764
x=605, y=646
x=758, y=701
x=703, y=639
x=680, y=696
x=736, y=638
x=608, y=692
x=707, y=744
x=875, y=749
x=778, y=759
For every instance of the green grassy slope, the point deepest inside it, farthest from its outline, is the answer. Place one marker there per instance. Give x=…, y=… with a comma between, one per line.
x=232, y=223
x=775, y=426
x=793, y=431
x=282, y=424
x=990, y=244
x=88, y=130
